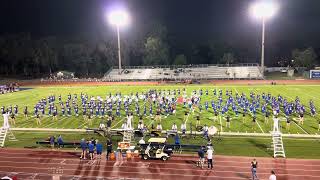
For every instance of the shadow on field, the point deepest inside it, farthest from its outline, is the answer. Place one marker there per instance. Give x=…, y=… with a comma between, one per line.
x=261, y=146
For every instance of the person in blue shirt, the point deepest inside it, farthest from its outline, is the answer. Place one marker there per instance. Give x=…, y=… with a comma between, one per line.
x=177, y=139
x=52, y=139
x=91, y=149
x=99, y=149
x=60, y=142
x=83, y=145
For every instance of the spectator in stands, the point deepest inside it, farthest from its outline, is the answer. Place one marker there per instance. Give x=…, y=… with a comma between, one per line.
x=52, y=141
x=91, y=149
x=99, y=149
x=60, y=141
x=273, y=176
x=254, y=166
x=83, y=145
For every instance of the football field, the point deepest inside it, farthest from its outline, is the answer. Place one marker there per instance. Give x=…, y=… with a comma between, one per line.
x=31, y=95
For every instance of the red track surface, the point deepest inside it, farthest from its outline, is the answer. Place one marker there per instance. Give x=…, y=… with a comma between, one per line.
x=52, y=165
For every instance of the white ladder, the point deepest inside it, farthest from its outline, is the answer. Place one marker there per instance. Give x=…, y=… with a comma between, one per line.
x=277, y=144
x=4, y=133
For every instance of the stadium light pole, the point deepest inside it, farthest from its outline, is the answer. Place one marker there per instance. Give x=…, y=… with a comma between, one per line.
x=118, y=18
x=263, y=10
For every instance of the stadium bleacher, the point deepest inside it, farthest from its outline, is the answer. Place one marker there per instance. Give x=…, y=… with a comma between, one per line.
x=194, y=72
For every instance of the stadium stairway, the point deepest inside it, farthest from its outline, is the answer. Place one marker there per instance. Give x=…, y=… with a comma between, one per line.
x=277, y=144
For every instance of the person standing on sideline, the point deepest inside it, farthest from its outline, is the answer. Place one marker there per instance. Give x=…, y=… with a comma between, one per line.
x=254, y=165
x=83, y=145
x=273, y=176
x=209, y=157
x=201, y=157
x=91, y=149
x=109, y=148
x=99, y=149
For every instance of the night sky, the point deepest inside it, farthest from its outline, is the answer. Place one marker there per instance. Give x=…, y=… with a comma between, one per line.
x=296, y=25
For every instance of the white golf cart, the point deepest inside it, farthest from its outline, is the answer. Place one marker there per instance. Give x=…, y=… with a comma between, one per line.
x=156, y=149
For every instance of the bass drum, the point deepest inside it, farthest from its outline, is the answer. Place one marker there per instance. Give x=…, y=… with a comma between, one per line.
x=212, y=130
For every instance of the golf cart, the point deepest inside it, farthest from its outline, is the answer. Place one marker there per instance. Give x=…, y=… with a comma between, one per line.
x=156, y=149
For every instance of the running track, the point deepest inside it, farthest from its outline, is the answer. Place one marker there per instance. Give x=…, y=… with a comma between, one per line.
x=54, y=165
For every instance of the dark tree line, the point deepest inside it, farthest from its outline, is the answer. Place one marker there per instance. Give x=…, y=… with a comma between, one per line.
x=27, y=56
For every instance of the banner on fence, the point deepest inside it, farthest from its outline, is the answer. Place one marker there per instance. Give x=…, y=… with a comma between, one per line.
x=314, y=74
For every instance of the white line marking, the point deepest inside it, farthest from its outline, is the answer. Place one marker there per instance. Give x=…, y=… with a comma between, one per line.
x=259, y=126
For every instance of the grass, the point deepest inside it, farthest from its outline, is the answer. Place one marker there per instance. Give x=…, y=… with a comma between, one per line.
x=31, y=96
x=244, y=146
x=235, y=146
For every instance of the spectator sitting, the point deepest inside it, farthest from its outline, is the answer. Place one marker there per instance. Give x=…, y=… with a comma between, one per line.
x=60, y=141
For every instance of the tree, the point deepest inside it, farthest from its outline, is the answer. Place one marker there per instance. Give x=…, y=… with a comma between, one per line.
x=156, y=48
x=227, y=58
x=156, y=52
x=180, y=59
x=304, y=58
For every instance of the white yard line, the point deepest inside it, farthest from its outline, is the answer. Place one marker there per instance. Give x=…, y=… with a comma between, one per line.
x=48, y=125
x=117, y=123
x=259, y=126
x=220, y=123
x=299, y=126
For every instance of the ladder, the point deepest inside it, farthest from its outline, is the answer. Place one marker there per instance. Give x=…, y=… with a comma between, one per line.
x=127, y=135
x=277, y=144
x=4, y=133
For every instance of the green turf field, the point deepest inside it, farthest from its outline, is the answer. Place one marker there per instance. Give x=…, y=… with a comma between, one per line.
x=31, y=96
x=229, y=145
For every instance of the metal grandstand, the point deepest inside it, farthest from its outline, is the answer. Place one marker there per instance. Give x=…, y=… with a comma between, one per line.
x=185, y=72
